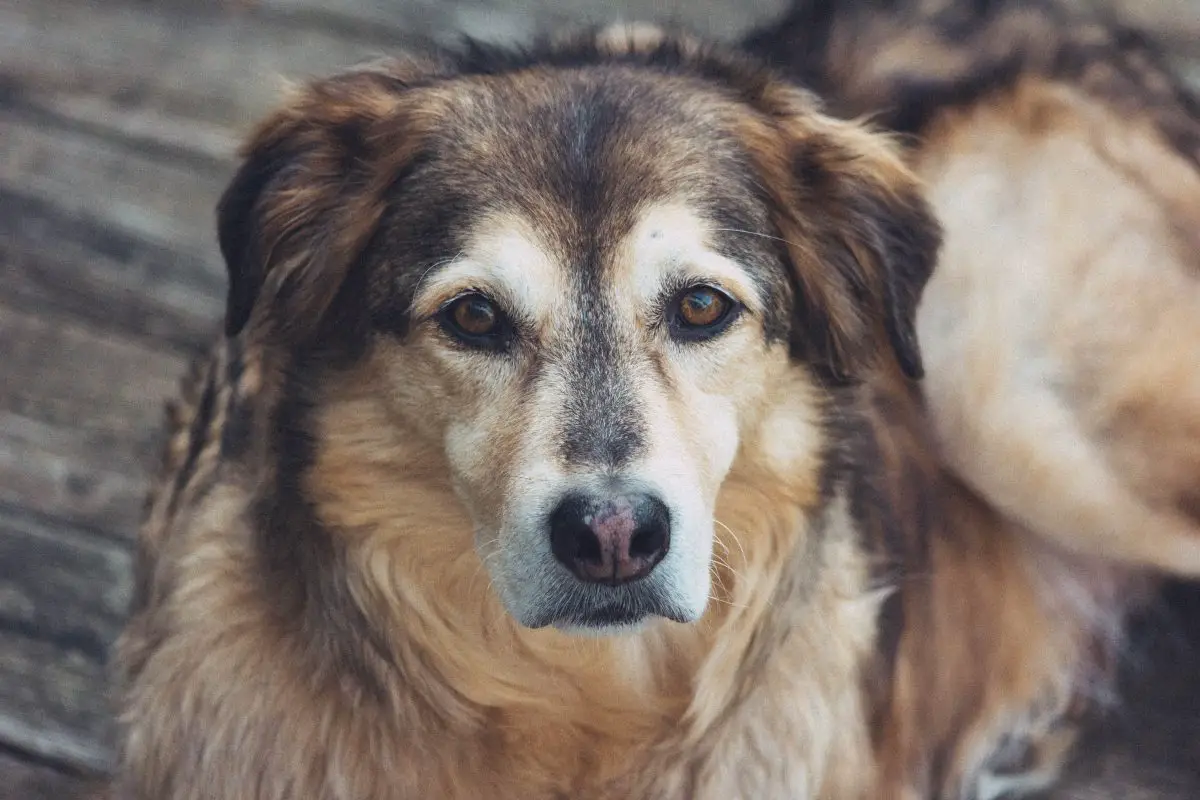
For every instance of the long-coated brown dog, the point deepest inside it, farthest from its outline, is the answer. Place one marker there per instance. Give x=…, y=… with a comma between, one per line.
x=566, y=439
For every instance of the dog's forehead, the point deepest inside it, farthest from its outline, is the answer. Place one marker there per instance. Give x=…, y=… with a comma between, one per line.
x=583, y=153
x=669, y=239
x=582, y=166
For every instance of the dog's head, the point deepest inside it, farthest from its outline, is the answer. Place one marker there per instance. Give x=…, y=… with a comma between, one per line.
x=585, y=274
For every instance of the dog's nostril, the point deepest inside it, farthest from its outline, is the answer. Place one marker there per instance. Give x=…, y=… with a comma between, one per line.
x=571, y=539
x=646, y=541
x=653, y=526
x=610, y=540
x=587, y=546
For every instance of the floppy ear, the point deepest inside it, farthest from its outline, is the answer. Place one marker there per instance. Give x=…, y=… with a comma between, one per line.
x=307, y=198
x=861, y=239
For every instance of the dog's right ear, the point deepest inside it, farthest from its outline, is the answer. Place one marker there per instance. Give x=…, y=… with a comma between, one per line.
x=861, y=239
x=310, y=194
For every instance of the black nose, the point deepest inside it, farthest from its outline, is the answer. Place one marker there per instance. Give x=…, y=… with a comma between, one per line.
x=612, y=539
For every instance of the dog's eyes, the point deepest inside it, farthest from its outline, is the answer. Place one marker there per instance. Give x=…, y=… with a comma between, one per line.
x=700, y=312
x=475, y=320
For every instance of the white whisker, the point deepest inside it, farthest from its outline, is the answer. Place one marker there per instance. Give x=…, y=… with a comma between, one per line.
x=735, y=538
x=436, y=264
x=755, y=233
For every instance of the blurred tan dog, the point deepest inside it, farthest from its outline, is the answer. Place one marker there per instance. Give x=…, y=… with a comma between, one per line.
x=566, y=438
x=1061, y=331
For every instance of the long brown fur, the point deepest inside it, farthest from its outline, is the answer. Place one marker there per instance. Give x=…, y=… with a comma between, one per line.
x=312, y=617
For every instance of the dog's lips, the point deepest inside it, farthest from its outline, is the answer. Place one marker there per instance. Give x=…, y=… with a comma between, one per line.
x=631, y=608
x=607, y=616
x=602, y=609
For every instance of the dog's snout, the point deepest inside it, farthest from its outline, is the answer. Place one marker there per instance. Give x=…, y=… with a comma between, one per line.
x=610, y=540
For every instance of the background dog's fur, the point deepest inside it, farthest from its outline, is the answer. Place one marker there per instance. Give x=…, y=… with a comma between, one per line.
x=909, y=496
x=1061, y=154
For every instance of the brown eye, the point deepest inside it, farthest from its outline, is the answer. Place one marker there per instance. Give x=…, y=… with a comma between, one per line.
x=702, y=307
x=475, y=315
x=475, y=320
x=701, y=312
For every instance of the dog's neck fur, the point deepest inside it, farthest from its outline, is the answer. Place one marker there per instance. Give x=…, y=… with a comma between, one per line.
x=461, y=664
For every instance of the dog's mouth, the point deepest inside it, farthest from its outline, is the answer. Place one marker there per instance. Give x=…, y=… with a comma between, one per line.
x=604, y=617
x=592, y=609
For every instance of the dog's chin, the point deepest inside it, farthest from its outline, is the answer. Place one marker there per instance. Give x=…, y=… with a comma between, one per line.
x=598, y=627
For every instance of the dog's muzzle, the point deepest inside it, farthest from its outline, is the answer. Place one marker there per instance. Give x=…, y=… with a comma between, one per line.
x=611, y=545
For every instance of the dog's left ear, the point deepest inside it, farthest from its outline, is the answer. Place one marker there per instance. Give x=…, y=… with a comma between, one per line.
x=861, y=239
x=309, y=195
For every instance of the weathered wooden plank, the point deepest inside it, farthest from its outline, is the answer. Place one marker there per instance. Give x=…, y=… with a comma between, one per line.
x=197, y=61
x=80, y=419
x=63, y=597
x=1177, y=21
x=382, y=23
x=116, y=184
x=21, y=779
x=54, y=702
x=148, y=69
x=61, y=263
x=66, y=374
x=204, y=144
x=496, y=20
x=85, y=478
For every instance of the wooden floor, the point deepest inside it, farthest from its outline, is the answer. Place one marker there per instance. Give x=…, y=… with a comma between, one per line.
x=118, y=123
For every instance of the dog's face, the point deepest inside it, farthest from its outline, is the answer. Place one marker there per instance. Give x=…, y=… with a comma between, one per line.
x=590, y=388
x=584, y=282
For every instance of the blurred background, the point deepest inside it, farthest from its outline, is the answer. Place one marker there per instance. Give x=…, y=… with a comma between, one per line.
x=119, y=120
